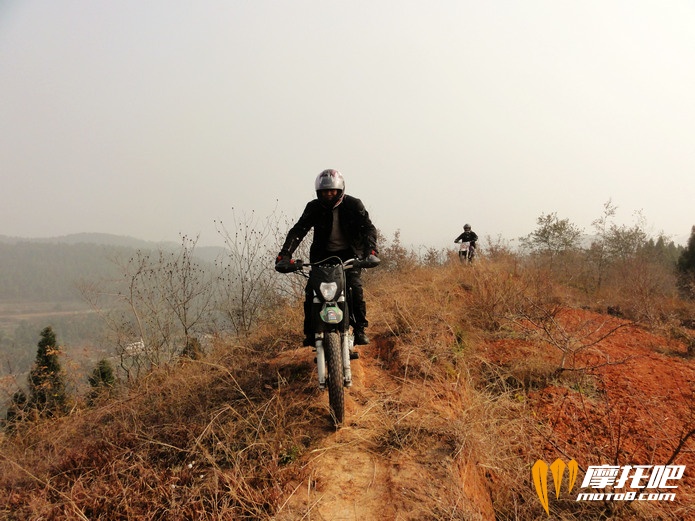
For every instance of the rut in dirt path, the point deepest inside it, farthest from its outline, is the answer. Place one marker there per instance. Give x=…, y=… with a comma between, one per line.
x=395, y=457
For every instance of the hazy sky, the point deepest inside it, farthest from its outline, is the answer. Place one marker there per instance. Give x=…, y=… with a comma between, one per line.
x=152, y=118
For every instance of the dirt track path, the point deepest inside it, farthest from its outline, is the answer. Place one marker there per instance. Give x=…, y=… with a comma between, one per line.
x=359, y=472
x=347, y=479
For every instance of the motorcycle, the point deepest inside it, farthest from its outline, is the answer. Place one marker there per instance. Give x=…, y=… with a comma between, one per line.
x=330, y=319
x=466, y=251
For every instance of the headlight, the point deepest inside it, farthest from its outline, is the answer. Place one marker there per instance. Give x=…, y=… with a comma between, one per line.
x=328, y=290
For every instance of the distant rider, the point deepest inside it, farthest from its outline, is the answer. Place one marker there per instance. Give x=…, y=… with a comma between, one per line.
x=468, y=235
x=342, y=228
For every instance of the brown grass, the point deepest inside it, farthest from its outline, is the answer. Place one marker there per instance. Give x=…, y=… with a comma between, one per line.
x=443, y=421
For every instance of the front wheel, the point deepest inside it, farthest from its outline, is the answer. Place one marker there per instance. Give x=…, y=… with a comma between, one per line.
x=334, y=360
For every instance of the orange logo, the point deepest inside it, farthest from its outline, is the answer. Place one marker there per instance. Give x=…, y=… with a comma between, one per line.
x=539, y=472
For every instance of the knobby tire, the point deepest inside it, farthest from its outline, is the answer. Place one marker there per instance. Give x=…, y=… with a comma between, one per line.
x=336, y=392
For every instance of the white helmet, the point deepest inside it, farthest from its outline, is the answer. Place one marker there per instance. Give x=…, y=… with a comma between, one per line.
x=330, y=180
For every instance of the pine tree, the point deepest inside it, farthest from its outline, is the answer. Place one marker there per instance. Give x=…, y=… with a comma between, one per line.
x=686, y=267
x=686, y=261
x=47, y=392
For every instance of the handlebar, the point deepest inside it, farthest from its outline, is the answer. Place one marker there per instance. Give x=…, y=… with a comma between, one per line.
x=291, y=266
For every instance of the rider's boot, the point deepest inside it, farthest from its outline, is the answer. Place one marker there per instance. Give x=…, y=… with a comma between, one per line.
x=361, y=337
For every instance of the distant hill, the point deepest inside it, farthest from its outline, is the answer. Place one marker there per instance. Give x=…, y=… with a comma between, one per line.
x=105, y=239
x=48, y=269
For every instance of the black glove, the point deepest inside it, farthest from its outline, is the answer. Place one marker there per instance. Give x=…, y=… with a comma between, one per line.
x=371, y=260
x=284, y=262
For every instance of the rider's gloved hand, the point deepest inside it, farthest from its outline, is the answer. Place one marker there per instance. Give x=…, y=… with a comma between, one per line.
x=284, y=262
x=371, y=260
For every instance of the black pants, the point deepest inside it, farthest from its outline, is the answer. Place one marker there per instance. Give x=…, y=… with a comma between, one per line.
x=355, y=296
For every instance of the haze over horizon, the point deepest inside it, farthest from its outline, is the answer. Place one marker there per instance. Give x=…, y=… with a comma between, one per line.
x=156, y=119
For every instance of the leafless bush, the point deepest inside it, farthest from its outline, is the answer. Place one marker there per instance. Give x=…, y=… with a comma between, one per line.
x=395, y=256
x=645, y=291
x=249, y=285
x=162, y=300
x=496, y=289
x=568, y=337
x=500, y=250
x=247, y=282
x=432, y=257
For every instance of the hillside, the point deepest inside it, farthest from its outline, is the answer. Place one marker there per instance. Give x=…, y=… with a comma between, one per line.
x=50, y=269
x=41, y=283
x=103, y=239
x=460, y=392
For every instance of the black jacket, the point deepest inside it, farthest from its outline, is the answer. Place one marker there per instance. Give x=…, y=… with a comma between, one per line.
x=466, y=237
x=354, y=223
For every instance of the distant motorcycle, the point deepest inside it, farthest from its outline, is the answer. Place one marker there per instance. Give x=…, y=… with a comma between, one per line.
x=330, y=320
x=466, y=251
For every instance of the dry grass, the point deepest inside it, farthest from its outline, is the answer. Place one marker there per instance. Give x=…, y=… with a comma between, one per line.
x=241, y=433
x=202, y=441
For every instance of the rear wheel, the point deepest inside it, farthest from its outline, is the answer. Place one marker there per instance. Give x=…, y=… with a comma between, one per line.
x=334, y=360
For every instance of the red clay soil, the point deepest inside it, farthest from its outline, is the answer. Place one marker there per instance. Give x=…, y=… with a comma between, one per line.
x=639, y=411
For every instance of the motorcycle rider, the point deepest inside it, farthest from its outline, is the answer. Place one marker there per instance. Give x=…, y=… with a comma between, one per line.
x=342, y=228
x=468, y=235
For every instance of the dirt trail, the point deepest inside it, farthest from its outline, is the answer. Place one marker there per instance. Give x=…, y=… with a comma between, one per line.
x=360, y=472
x=347, y=479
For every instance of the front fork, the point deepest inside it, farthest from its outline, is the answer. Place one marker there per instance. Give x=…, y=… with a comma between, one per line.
x=320, y=360
x=346, y=341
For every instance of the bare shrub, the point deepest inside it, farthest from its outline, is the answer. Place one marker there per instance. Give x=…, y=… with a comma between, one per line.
x=500, y=250
x=162, y=302
x=433, y=257
x=569, y=337
x=396, y=257
x=645, y=291
x=553, y=242
x=495, y=290
x=247, y=281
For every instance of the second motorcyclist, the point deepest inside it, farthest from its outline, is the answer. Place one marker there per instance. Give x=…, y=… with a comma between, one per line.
x=469, y=236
